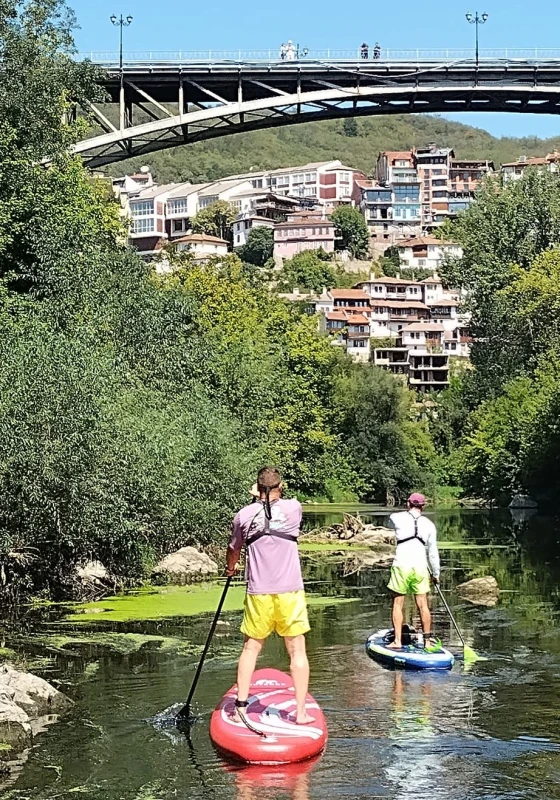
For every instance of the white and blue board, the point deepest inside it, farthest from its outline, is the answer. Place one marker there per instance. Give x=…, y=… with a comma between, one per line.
x=407, y=657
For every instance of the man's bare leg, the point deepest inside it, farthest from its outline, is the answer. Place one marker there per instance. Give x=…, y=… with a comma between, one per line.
x=398, y=616
x=425, y=616
x=246, y=667
x=299, y=668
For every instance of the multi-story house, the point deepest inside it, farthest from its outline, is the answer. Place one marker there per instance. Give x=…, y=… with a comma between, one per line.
x=202, y=246
x=433, y=165
x=351, y=330
x=426, y=252
x=515, y=169
x=182, y=205
x=245, y=223
x=146, y=210
x=391, y=288
x=329, y=183
x=465, y=176
x=306, y=230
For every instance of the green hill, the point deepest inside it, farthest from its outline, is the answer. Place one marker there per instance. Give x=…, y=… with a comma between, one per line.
x=322, y=141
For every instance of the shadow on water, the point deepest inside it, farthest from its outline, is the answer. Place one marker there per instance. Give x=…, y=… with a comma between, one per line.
x=492, y=732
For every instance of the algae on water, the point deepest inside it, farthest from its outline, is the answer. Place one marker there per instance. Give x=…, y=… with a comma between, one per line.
x=171, y=601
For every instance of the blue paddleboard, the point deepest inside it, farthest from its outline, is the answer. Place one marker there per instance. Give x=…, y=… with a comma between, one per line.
x=410, y=656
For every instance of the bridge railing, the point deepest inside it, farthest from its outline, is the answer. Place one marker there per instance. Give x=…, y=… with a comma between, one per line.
x=273, y=55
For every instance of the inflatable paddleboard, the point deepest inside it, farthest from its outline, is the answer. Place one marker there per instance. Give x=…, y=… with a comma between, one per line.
x=410, y=656
x=271, y=711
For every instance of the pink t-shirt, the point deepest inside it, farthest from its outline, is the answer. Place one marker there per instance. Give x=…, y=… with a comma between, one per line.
x=273, y=565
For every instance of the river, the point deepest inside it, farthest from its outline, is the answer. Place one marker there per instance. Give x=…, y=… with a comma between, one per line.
x=491, y=732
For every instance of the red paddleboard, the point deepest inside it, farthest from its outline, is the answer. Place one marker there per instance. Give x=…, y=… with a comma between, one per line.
x=271, y=711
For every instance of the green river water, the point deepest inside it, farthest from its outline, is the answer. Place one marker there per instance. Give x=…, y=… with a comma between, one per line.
x=491, y=732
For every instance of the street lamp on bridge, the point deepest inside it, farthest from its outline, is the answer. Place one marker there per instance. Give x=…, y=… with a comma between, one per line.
x=121, y=22
x=476, y=20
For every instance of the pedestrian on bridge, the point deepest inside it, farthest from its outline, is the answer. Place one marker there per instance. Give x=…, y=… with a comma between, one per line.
x=364, y=50
x=377, y=51
x=290, y=51
x=283, y=51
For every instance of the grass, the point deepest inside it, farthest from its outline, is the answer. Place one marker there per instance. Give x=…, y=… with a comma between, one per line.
x=170, y=601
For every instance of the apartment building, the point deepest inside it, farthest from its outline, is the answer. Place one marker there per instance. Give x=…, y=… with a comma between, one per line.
x=147, y=211
x=434, y=165
x=245, y=223
x=465, y=176
x=426, y=252
x=306, y=230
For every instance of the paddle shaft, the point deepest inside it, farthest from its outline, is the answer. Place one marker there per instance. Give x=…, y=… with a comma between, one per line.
x=451, y=617
x=185, y=712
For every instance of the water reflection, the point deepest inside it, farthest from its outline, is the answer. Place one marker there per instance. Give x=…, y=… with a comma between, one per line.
x=488, y=734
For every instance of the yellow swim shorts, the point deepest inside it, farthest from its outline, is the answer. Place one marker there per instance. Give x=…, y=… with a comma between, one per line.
x=409, y=581
x=284, y=613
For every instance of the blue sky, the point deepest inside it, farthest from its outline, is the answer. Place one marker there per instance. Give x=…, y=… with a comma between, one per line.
x=253, y=24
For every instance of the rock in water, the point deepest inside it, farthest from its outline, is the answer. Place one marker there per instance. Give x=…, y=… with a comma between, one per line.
x=24, y=699
x=184, y=566
x=522, y=501
x=94, y=572
x=480, y=591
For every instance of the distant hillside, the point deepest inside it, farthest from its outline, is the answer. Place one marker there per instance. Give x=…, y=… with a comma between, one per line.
x=322, y=141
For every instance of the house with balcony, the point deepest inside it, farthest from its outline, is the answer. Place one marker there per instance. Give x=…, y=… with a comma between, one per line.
x=433, y=164
x=350, y=330
x=465, y=176
x=428, y=372
x=303, y=231
x=391, y=288
x=182, y=205
x=426, y=253
x=147, y=212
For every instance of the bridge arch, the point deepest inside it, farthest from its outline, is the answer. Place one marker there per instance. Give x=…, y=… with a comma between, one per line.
x=191, y=103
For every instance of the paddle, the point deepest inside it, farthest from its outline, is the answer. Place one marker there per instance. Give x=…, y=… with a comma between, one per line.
x=469, y=654
x=184, y=715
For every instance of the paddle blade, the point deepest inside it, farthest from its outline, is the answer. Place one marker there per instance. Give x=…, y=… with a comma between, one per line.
x=470, y=656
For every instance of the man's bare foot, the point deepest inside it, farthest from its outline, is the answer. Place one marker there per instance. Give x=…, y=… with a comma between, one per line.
x=395, y=646
x=304, y=719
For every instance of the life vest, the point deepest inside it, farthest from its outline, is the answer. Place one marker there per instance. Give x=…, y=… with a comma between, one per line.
x=416, y=534
x=268, y=531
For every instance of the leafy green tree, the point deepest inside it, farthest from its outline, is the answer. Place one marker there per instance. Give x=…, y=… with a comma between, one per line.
x=350, y=127
x=308, y=270
x=351, y=231
x=215, y=220
x=259, y=247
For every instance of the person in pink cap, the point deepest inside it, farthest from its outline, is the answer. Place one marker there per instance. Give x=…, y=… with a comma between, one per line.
x=416, y=556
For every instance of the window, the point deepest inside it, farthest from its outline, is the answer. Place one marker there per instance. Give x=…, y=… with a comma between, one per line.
x=440, y=194
x=402, y=163
x=204, y=202
x=310, y=177
x=344, y=177
x=236, y=204
x=178, y=225
x=298, y=178
x=414, y=289
x=143, y=225
x=178, y=206
x=142, y=208
x=345, y=191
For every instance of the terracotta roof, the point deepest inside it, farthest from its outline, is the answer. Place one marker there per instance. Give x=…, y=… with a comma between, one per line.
x=305, y=223
x=435, y=279
x=358, y=319
x=336, y=315
x=349, y=294
x=420, y=240
x=528, y=162
x=388, y=281
x=425, y=327
x=444, y=302
x=406, y=304
x=394, y=155
x=200, y=238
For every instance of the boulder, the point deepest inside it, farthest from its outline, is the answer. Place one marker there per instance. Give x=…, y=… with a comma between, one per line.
x=184, y=566
x=93, y=572
x=31, y=693
x=27, y=704
x=480, y=591
x=522, y=501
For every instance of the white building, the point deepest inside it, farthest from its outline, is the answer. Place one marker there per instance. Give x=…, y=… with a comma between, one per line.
x=391, y=288
x=202, y=246
x=245, y=223
x=182, y=205
x=147, y=211
x=426, y=252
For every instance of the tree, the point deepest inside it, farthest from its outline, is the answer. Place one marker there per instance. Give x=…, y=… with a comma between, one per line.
x=259, y=247
x=215, y=220
x=308, y=270
x=351, y=231
x=350, y=127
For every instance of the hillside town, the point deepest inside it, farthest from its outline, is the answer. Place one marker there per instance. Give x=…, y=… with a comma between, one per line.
x=413, y=328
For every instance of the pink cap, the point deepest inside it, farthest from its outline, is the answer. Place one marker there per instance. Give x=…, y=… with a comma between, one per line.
x=417, y=499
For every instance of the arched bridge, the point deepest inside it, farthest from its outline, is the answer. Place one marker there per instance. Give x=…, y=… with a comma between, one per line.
x=163, y=103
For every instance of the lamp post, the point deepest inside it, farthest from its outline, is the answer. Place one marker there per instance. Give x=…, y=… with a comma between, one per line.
x=476, y=20
x=121, y=22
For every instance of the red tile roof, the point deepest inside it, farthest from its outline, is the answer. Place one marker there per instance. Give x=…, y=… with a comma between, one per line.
x=349, y=294
x=358, y=319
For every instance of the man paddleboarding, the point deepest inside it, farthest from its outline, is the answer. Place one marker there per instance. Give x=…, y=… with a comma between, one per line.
x=416, y=536
x=275, y=601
